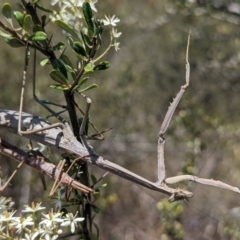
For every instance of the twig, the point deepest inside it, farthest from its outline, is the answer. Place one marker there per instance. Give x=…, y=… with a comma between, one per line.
x=40, y=163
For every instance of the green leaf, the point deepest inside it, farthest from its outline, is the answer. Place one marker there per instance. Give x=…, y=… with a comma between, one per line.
x=14, y=42
x=3, y=34
x=44, y=62
x=27, y=22
x=87, y=13
x=102, y=66
x=79, y=49
x=83, y=81
x=89, y=68
x=37, y=28
x=38, y=36
x=74, y=75
x=59, y=87
x=59, y=77
x=94, y=179
x=43, y=20
x=58, y=46
x=19, y=17
x=96, y=195
x=43, y=8
x=99, y=30
x=59, y=65
x=7, y=12
x=95, y=208
x=64, y=26
x=68, y=65
x=88, y=88
x=66, y=60
x=100, y=26
x=103, y=185
x=87, y=42
x=70, y=41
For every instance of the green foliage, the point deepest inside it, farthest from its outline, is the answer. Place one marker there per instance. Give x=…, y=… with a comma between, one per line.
x=170, y=219
x=7, y=12
x=70, y=73
x=85, y=46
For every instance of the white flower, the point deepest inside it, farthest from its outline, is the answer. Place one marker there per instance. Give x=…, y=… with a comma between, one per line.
x=92, y=4
x=51, y=219
x=116, y=44
x=30, y=236
x=115, y=33
x=73, y=3
x=20, y=223
x=7, y=216
x=72, y=221
x=2, y=227
x=5, y=203
x=111, y=21
x=53, y=2
x=33, y=208
x=48, y=232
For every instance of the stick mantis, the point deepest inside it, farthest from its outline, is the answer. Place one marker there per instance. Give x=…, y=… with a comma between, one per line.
x=62, y=137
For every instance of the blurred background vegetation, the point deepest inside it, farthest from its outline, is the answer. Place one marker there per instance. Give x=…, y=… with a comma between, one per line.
x=133, y=97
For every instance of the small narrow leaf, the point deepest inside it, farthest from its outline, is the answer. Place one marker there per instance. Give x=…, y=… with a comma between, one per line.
x=59, y=87
x=59, y=65
x=44, y=62
x=43, y=20
x=58, y=77
x=27, y=22
x=58, y=46
x=94, y=179
x=89, y=68
x=37, y=28
x=7, y=12
x=66, y=60
x=83, y=81
x=64, y=26
x=96, y=195
x=79, y=49
x=38, y=36
x=43, y=8
x=74, y=75
x=95, y=208
x=87, y=13
x=3, y=34
x=19, y=17
x=70, y=41
x=88, y=88
x=102, y=66
x=100, y=26
x=86, y=39
x=87, y=42
x=14, y=42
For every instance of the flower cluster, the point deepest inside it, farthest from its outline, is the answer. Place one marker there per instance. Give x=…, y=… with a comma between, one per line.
x=70, y=13
x=28, y=227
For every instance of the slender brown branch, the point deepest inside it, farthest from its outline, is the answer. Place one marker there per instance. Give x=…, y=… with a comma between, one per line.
x=42, y=164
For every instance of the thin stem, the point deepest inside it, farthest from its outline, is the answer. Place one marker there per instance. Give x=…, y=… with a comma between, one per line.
x=109, y=46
